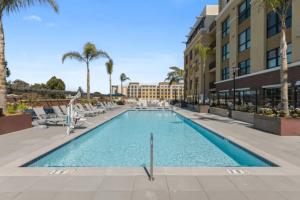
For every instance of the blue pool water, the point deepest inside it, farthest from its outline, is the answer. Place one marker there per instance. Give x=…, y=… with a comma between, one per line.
x=124, y=142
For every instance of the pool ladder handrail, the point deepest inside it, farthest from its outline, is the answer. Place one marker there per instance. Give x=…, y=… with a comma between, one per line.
x=151, y=177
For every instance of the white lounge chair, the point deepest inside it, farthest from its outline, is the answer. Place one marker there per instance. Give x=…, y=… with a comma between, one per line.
x=49, y=118
x=80, y=109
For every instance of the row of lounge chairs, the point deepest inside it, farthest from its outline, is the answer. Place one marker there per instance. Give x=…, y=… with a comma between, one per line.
x=143, y=104
x=60, y=113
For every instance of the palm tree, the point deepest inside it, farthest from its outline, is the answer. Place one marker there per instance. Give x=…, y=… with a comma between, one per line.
x=109, y=69
x=7, y=7
x=203, y=53
x=175, y=76
x=123, y=78
x=90, y=53
x=281, y=7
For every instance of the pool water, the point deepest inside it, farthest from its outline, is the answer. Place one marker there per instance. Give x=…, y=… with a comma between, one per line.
x=125, y=142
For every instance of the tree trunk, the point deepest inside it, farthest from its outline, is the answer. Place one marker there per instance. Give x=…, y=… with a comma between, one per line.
x=110, y=88
x=204, y=95
x=284, y=71
x=122, y=88
x=88, y=87
x=2, y=69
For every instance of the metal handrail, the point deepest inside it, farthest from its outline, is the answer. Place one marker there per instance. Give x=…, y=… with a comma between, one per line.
x=151, y=158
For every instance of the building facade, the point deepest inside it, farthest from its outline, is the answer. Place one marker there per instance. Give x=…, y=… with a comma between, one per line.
x=162, y=91
x=203, y=32
x=248, y=55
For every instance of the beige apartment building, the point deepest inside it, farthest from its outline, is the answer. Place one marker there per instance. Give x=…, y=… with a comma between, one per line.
x=203, y=32
x=162, y=91
x=248, y=46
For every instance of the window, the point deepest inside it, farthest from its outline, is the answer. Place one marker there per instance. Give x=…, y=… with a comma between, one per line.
x=225, y=28
x=289, y=53
x=244, y=11
x=244, y=40
x=225, y=73
x=191, y=54
x=225, y=51
x=274, y=23
x=274, y=56
x=244, y=67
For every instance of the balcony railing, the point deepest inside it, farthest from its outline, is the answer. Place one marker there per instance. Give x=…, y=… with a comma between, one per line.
x=212, y=26
x=212, y=65
x=212, y=85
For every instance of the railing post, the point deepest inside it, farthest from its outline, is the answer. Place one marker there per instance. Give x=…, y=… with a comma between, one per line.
x=151, y=158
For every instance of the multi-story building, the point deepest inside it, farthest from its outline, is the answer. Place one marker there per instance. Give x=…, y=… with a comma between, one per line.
x=248, y=46
x=116, y=89
x=203, y=32
x=162, y=91
x=247, y=53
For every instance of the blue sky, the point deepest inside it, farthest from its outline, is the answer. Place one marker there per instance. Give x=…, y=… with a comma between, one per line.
x=143, y=37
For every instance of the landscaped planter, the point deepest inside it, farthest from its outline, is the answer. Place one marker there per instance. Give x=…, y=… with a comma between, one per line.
x=276, y=125
x=243, y=116
x=203, y=108
x=14, y=123
x=219, y=111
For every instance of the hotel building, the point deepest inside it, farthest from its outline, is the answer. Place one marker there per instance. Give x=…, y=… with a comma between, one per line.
x=248, y=45
x=203, y=32
x=162, y=91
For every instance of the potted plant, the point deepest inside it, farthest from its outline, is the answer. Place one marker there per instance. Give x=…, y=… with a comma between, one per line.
x=274, y=121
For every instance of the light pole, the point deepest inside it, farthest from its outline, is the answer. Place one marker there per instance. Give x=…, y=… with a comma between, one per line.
x=234, y=70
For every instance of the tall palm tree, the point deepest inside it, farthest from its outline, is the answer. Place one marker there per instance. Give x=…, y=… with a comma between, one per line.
x=7, y=7
x=175, y=76
x=123, y=78
x=281, y=7
x=90, y=53
x=109, y=69
x=203, y=53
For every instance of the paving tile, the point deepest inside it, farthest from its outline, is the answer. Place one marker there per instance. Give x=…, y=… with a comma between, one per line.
x=188, y=195
x=291, y=195
x=143, y=183
x=229, y=195
x=75, y=196
x=36, y=196
x=117, y=183
x=17, y=184
x=249, y=183
x=263, y=195
x=112, y=195
x=280, y=183
x=183, y=183
x=150, y=195
x=216, y=183
x=78, y=183
x=8, y=195
x=50, y=183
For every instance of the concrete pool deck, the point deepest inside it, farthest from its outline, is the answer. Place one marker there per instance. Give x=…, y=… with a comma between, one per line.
x=132, y=183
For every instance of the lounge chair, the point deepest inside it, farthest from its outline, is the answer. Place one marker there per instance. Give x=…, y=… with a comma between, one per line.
x=80, y=109
x=58, y=112
x=48, y=118
x=93, y=109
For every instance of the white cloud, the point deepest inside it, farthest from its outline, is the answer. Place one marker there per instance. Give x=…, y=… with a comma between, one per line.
x=50, y=25
x=34, y=18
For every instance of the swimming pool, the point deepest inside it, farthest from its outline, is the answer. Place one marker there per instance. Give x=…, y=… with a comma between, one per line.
x=124, y=142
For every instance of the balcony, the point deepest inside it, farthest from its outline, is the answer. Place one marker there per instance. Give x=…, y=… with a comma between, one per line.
x=212, y=66
x=212, y=26
x=212, y=45
x=212, y=85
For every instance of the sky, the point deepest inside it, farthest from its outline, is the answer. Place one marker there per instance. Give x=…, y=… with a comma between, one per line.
x=144, y=38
